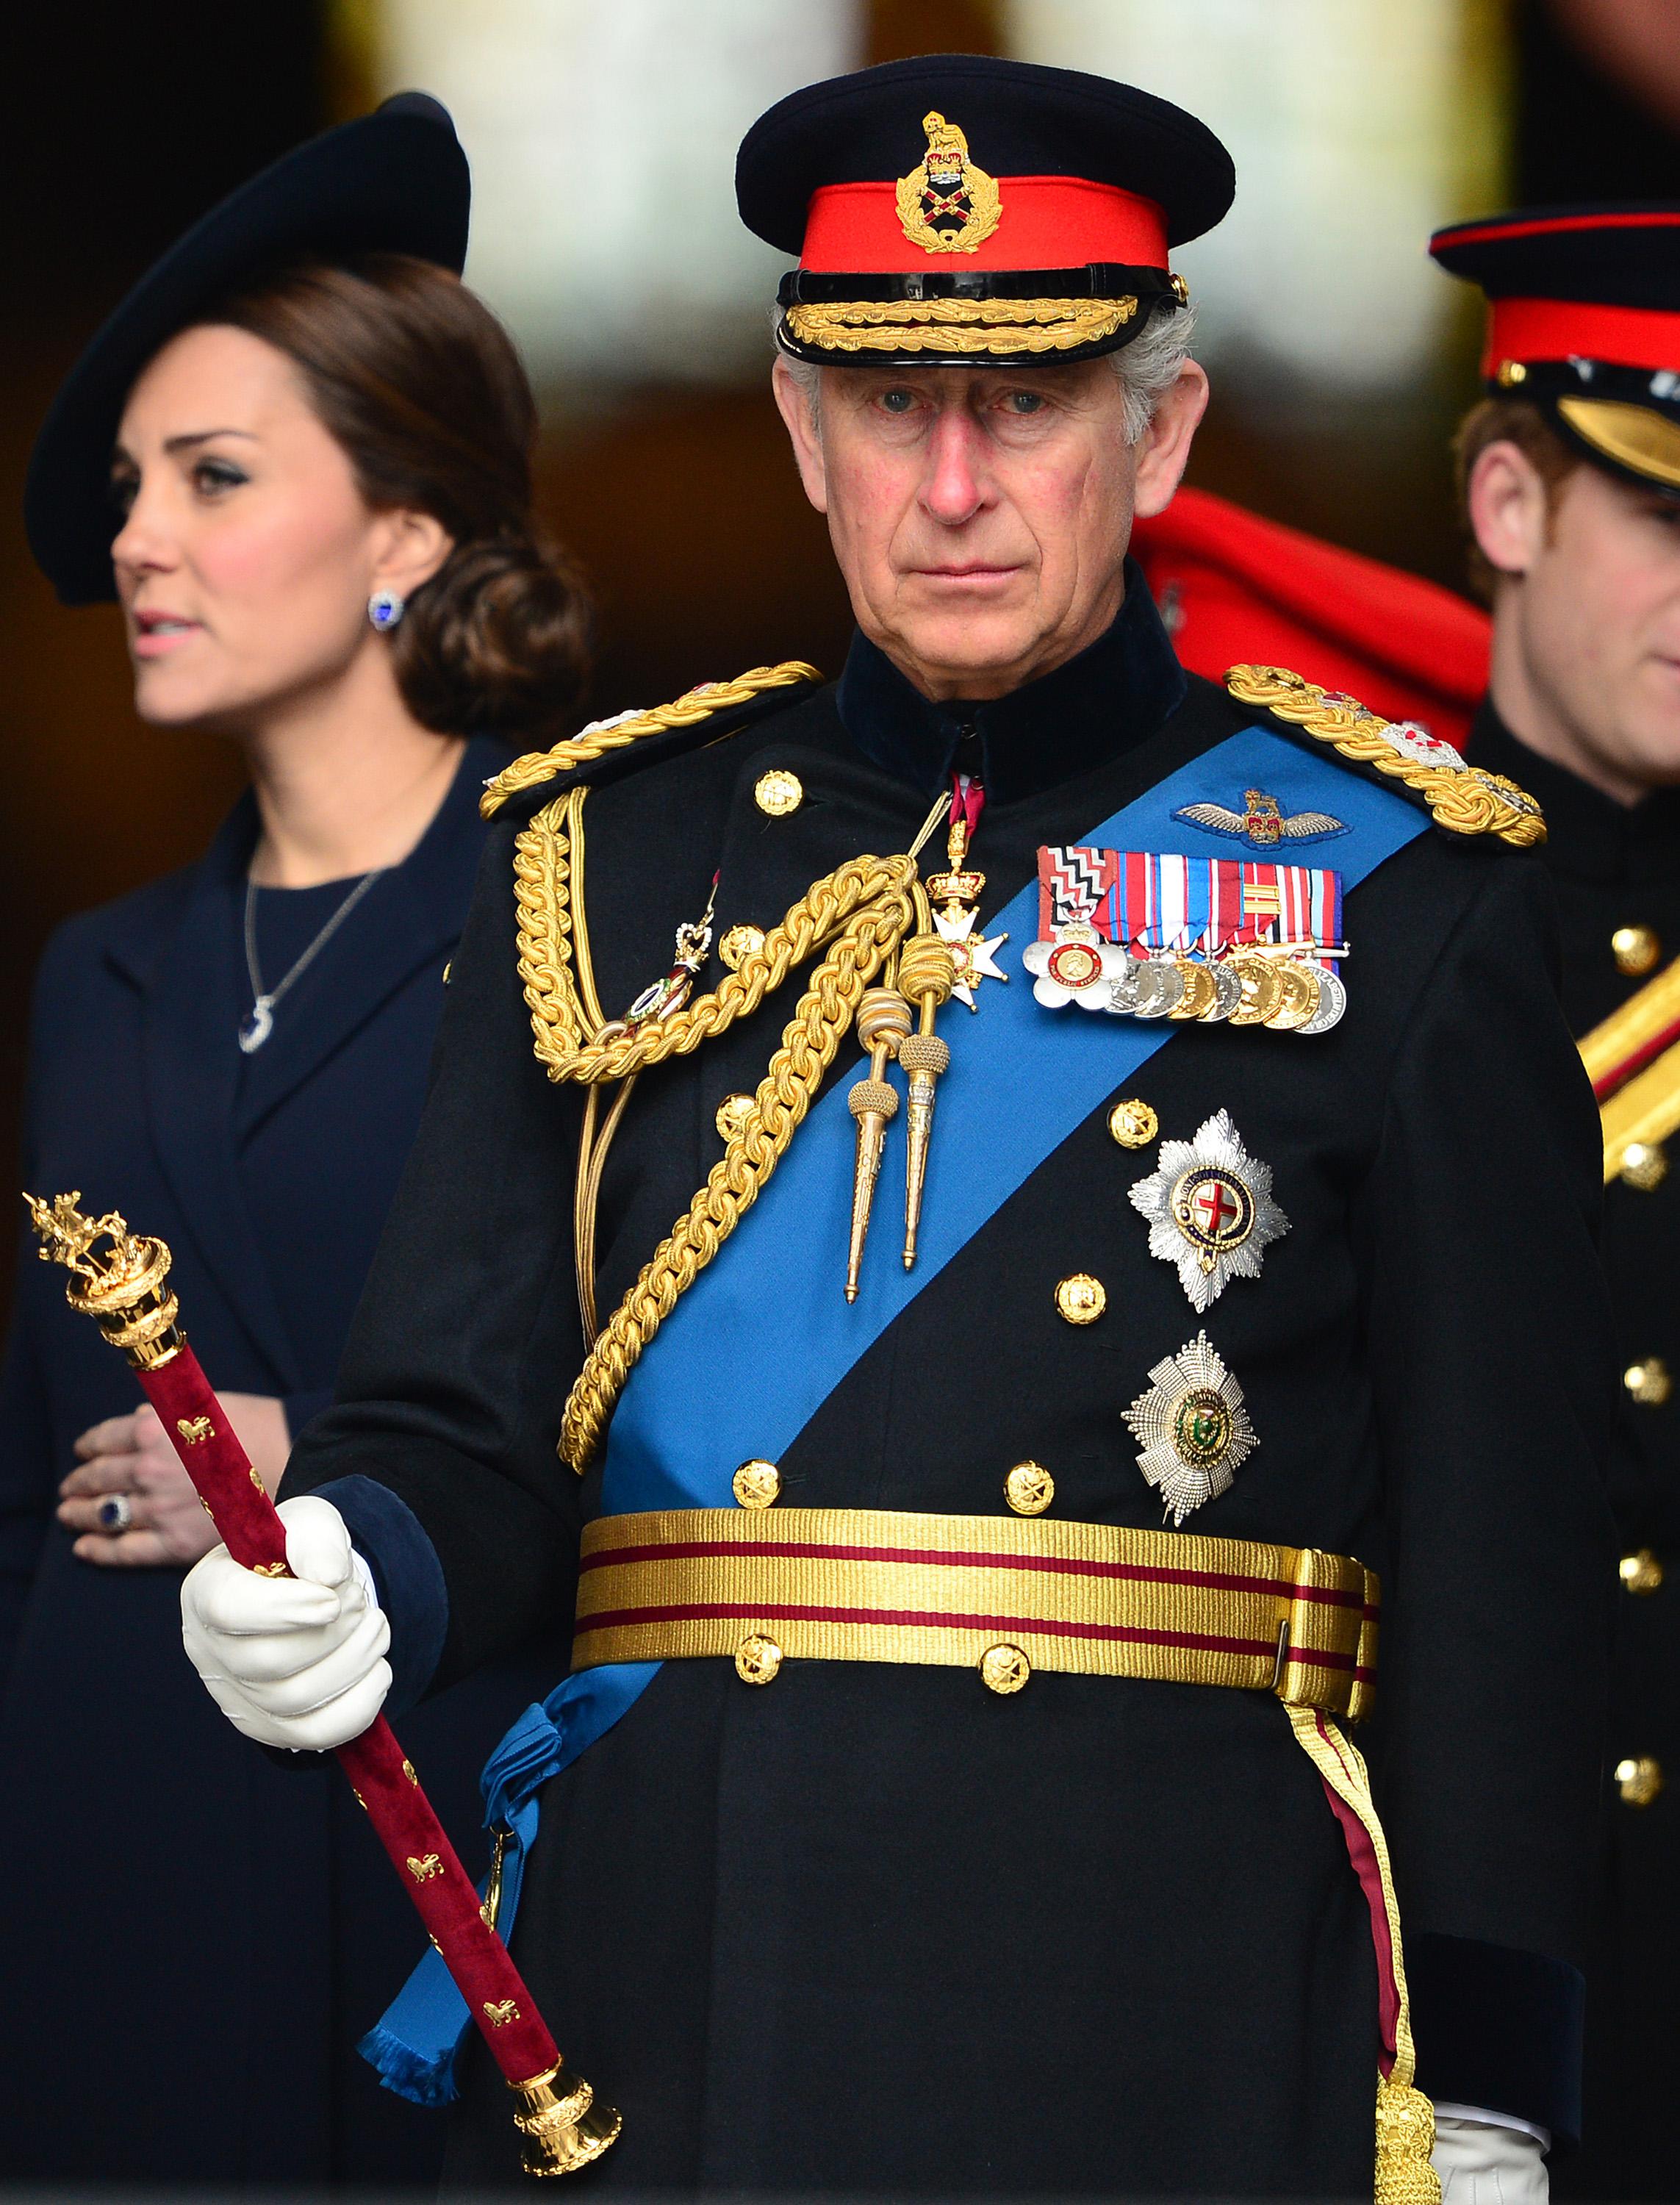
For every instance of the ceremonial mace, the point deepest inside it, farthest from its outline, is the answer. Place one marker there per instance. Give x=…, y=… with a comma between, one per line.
x=125, y=1290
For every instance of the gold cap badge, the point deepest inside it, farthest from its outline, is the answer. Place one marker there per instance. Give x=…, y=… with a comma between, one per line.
x=947, y=188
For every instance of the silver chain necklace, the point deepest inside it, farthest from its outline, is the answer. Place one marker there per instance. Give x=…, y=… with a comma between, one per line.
x=257, y=1024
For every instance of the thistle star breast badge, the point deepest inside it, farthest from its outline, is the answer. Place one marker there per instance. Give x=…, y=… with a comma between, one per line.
x=1193, y=1428
x=1210, y=1210
x=1262, y=823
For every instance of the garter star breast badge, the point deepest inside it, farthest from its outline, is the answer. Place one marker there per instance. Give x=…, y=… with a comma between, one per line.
x=1210, y=1210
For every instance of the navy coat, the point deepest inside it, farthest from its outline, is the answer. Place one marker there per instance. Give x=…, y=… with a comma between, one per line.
x=193, y=1936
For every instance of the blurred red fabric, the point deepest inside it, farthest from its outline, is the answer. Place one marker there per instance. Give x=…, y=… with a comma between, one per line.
x=1234, y=587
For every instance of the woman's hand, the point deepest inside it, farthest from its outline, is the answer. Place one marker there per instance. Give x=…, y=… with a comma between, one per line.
x=130, y=1456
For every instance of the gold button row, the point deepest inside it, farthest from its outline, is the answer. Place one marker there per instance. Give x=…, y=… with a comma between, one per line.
x=1003, y=1669
x=1029, y=1488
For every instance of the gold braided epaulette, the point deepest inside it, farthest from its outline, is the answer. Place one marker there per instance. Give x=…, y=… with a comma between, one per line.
x=593, y=741
x=1462, y=798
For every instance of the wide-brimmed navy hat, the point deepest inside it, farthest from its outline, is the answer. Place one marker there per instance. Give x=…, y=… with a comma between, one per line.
x=1584, y=320
x=393, y=181
x=963, y=210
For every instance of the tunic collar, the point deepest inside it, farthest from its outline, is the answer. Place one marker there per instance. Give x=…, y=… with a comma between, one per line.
x=1588, y=833
x=1116, y=691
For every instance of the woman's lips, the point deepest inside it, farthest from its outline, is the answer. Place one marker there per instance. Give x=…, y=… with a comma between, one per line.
x=158, y=634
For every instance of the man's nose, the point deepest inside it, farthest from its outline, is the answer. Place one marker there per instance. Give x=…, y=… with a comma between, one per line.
x=954, y=488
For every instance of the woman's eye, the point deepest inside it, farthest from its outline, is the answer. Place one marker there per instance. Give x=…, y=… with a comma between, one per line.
x=124, y=489
x=211, y=476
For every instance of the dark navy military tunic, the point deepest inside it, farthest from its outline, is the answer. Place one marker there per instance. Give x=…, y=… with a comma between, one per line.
x=1616, y=867
x=873, y=1929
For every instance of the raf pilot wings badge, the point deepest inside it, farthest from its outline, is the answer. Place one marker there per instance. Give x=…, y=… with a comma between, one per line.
x=1262, y=823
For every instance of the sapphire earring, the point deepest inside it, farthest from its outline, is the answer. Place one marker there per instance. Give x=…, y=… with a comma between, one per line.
x=385, y=609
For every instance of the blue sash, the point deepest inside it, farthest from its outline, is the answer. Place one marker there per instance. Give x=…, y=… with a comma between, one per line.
x=677, y=1434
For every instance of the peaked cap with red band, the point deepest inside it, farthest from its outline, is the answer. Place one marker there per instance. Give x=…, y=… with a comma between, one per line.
x=1584, y=319
x=957, y=210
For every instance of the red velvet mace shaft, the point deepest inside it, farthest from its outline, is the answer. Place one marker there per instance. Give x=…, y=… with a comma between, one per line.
x=121, y=1279
x=384, y=1781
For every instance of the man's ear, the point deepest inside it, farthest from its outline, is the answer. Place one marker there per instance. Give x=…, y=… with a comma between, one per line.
x=1163, y=449
x=408, y=549
x=795, y=409
x=1509, y=507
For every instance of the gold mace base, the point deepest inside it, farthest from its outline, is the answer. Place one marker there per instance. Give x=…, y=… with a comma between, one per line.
x=562, y=2126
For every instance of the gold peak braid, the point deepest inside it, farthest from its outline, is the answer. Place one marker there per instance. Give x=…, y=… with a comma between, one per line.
x=689, y=710
x=1462, y=798
x=867, y=939
x=991, y=325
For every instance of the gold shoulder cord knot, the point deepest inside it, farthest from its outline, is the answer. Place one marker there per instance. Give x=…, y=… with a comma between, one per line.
x=1463, y=798
x=693, y=706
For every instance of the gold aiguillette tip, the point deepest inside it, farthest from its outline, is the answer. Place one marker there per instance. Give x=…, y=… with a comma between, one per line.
x=883, y=1021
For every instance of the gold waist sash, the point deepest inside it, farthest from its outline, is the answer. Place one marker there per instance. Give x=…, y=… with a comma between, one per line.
x=857, y=1585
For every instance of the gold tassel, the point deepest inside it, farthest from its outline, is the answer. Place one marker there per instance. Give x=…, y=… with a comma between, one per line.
x=1406, y=2138
x=1405, y=2119
x=883, y=1021
x=927, y=972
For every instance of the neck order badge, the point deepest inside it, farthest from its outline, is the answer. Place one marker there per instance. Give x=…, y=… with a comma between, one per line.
x=676, y=1439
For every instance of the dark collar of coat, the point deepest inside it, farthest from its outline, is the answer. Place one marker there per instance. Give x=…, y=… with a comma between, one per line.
x=410, y=919
x=1587, y=833
x=1116, y=692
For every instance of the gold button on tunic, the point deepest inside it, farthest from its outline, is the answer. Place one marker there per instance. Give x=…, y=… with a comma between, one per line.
x=1029, y=1488
x=778, y=793
x=1635, y=949
x=757, y=1484
x=1649, y=1381
x=1641, y=1573
x=1004, y=1669
x=1081, y=1298
x=738, y=944
x=758, y=1659
x=1638, y=1781
x=1133, y=1124
x=733, y=1112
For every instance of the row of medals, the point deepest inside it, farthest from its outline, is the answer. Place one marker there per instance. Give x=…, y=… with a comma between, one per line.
x=1250, y=987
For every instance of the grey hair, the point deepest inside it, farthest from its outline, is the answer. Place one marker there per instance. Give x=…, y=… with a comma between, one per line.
x=1146, y=369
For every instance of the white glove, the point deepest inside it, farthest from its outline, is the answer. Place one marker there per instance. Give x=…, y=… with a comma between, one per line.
x=295, y=1661
x=1485, y=2163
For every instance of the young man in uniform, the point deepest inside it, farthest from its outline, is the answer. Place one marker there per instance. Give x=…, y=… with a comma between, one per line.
x=1571, y=476
x=951, y=1495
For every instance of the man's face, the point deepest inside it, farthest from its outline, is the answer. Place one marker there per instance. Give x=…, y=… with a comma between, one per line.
x=1589, y=637
x=981, y=516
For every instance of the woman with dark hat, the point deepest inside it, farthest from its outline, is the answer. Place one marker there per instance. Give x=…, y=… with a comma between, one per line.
x=299, y=456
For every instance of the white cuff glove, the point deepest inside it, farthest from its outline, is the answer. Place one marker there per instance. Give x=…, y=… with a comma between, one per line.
x=296, y=1661
x=1486, y=2163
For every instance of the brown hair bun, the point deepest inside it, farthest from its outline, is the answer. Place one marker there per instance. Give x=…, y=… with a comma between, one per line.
x=419, y=383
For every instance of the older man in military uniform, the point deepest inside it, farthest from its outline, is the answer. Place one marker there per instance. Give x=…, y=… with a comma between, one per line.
x=1571, y=477
x=1008, y=1424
